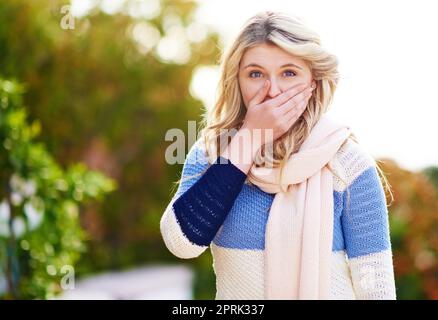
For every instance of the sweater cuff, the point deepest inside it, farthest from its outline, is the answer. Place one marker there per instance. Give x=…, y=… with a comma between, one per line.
x=202, y=209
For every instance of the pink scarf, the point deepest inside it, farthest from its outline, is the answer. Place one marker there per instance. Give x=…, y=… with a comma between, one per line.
x=299, y=232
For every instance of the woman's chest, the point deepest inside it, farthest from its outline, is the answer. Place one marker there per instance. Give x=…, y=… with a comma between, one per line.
x=245, y=225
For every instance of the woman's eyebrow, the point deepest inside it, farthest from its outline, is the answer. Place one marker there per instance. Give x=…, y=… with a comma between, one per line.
x=284, y=65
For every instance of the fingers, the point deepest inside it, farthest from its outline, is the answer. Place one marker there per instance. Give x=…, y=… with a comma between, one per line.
x=294, y=101
x=294, y=114
x=290, y=117
x=288, y=94
x=260, y=95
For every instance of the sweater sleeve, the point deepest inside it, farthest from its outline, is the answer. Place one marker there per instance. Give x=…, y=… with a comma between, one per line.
x=366, y=229
x=201, y=203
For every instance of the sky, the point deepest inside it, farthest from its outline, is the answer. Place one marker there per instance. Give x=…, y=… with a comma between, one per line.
x=387, y=53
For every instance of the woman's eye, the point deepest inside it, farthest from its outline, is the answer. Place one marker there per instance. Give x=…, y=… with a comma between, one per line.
x=289, y=72
x=254, y=73
x=257, y=74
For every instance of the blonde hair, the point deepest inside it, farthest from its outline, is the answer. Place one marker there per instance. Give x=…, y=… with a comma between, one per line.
x=288, y=33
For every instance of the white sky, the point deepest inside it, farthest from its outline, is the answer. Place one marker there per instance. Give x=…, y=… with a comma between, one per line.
x=388, y=54
x=387, y=51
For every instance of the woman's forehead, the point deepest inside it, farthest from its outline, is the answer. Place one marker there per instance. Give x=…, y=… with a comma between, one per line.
x=269, y=56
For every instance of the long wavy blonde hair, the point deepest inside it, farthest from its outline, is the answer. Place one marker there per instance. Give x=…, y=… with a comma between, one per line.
x=291, y=34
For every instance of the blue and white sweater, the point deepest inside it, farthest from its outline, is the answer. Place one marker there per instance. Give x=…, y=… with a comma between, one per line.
x=216, y=207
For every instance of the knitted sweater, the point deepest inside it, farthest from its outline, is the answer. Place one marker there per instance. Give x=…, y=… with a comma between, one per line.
x=218, y=208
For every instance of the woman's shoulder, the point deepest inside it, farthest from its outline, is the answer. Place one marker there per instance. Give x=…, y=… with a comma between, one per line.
x=351, y=160
x=196, y=155
x=195, y=163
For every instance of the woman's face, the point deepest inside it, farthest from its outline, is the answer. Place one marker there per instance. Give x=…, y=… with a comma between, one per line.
x=266, y=61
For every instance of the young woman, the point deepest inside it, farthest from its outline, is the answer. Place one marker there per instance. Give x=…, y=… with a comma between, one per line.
x=291, y=206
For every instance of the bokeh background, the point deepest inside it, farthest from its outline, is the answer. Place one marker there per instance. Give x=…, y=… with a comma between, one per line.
x=89, y=88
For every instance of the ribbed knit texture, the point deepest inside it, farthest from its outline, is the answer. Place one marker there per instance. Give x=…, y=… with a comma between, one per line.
x=361, y=265
x=202, y=209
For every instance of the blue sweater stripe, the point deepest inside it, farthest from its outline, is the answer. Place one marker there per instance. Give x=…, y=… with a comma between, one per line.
x=365, y=223
x=202, y=209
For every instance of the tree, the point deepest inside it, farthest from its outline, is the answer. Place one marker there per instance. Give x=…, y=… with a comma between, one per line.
x=414, y=233
x=40, y=235
x=106, y=92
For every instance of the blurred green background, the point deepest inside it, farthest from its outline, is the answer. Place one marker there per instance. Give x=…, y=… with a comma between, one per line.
x=83, y=116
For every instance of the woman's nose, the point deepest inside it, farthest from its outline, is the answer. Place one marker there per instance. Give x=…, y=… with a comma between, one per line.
x=274, y=90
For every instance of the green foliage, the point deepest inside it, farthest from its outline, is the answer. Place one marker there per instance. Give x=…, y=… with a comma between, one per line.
x=101, y=99
x=414, y=233
x=432, y=174
x=40, y=231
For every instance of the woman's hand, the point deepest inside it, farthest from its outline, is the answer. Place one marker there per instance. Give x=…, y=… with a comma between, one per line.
x=266, y=121
x=275, y=116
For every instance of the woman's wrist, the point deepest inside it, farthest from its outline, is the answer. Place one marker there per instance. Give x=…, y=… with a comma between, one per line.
x=242, y=149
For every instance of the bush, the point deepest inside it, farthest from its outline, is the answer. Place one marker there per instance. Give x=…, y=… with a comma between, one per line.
x=40, y=234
